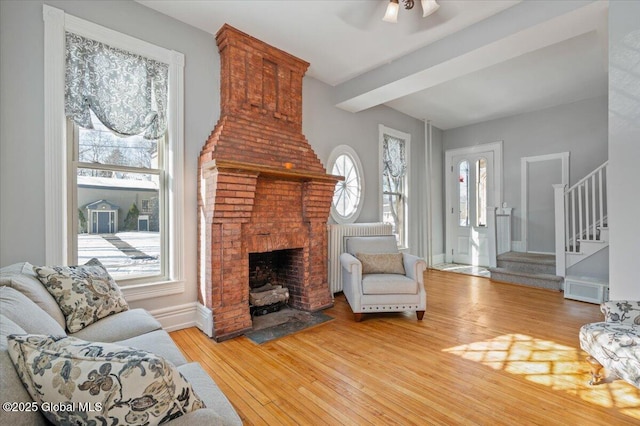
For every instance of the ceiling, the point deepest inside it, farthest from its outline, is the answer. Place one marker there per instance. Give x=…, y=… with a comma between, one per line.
x=423, y=67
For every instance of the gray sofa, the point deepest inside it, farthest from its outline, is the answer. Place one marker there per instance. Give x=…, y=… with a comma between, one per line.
x=27, y=307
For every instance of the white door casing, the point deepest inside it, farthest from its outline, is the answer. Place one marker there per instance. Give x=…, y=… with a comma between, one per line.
x=525, y=162
x=469, y=244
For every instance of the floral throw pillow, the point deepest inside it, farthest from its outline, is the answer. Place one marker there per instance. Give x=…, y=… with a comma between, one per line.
x=100, y=383
x=85, y=293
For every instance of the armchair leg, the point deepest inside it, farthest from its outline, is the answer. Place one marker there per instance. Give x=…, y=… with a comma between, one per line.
x=357, y=316
x=596, y=368
x=420, y=315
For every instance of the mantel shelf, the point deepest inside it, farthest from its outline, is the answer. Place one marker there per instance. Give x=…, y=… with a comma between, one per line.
x=272, y=172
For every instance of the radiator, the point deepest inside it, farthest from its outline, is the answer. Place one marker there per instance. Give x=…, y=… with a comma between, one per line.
x=336, y=246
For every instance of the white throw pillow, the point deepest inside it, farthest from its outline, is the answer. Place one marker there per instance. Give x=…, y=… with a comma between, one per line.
x=79, y=382
x=85, y=293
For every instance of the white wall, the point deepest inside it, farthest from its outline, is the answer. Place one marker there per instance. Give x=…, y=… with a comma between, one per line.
x=437, y=201
x=580, y=128
x=22, y=209
x=624, y=148
x=326, y=127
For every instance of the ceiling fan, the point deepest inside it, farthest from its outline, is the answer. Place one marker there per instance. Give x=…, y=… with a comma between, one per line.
x=391, y=14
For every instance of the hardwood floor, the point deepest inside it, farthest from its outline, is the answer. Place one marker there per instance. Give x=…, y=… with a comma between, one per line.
x=485, y=353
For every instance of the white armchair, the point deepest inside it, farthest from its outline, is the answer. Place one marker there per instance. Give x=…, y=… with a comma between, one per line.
x=376, y=277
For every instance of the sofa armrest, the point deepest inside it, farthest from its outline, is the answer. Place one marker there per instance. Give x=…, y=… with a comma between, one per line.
x=414, y=267
x=621, y=311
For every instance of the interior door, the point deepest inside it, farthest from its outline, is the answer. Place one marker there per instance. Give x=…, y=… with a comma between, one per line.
x=472, y=183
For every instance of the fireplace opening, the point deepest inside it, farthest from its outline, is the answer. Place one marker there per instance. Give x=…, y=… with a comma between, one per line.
x=271, y=277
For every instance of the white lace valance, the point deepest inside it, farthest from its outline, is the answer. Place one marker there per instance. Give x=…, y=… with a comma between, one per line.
x=127, y=92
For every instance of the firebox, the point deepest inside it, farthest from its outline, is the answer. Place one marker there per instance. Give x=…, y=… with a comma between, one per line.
x=261, y=186
x=272, y=275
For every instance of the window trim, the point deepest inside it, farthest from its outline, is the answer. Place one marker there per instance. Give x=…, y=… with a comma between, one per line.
x=333, y=157
x=57, y=191
x=384, y=130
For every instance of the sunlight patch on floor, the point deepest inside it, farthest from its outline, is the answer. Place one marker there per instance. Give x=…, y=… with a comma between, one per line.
x=550, y=364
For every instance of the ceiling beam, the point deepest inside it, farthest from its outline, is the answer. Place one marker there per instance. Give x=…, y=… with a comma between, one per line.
x=393, y=81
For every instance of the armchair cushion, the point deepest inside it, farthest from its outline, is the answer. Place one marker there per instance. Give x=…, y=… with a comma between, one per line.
x=381, y=263
x=388, y=284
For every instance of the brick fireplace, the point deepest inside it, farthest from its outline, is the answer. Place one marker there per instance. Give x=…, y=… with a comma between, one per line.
x=261, y=186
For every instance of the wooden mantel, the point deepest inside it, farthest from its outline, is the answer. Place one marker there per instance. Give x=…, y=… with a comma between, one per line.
x=271, y=172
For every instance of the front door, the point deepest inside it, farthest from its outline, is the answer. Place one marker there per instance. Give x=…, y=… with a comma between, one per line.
x=471, y=191
x=104, y=223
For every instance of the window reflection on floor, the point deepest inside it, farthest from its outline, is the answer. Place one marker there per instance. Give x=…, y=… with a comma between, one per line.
x=551, y=364
x=478, y=271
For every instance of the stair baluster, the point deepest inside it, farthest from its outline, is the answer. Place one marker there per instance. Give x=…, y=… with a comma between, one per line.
x=581, y=215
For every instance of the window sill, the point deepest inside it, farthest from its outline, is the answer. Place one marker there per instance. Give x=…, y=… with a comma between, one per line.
x=152, y=290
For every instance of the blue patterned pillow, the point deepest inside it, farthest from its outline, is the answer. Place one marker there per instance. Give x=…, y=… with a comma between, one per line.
x=85, y=293
x=79, y=382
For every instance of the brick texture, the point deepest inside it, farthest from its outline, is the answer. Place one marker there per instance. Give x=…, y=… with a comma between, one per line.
x=243, y=210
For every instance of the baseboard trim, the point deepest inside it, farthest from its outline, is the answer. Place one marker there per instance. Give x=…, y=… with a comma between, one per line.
x=437, y=259
x=177, y=317
x=204, y=319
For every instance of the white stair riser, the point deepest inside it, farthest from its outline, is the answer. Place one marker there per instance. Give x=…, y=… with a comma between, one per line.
x=587, y=249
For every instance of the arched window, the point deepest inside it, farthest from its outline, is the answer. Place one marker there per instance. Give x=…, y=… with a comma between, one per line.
x=347, y=197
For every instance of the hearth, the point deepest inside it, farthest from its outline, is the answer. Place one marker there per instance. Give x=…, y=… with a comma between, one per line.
x=261, y=186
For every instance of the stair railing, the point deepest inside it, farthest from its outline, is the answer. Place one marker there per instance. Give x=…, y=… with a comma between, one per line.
x=579, y=211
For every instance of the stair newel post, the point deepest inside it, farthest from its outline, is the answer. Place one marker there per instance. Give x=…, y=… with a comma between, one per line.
x=558, y=197
x=492, y=234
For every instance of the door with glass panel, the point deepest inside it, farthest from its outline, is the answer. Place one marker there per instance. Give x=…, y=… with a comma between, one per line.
x=471, y=192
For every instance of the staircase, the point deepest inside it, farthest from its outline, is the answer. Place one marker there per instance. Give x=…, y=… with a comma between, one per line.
x=531, y=269
x=581, y=232
x=581, y=220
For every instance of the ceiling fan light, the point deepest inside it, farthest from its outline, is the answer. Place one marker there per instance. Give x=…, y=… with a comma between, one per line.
x=391, y=15
x=428, y=7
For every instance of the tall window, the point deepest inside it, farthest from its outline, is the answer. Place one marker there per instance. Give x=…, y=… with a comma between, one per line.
x=116, y=102
x=463, y=186
x=394, y=155
x=481, y=192
x=119, y=204
x=114, y=186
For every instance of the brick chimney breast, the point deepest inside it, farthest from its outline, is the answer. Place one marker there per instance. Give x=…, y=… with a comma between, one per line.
x=261, y=186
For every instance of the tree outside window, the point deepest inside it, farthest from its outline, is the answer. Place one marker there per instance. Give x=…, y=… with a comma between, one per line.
x=394, y=170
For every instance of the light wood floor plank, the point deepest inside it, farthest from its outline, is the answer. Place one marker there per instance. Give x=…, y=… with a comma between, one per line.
x=485, y=353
